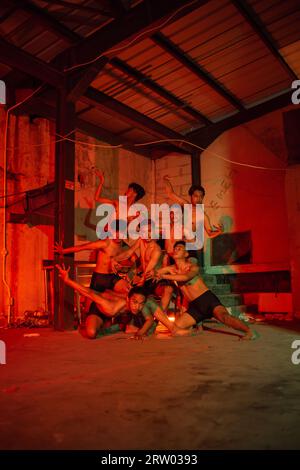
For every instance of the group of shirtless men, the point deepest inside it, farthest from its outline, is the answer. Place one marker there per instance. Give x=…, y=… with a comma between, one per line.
x=136, y=305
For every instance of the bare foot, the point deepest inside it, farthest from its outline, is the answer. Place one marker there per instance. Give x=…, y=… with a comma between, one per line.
x=251, y=335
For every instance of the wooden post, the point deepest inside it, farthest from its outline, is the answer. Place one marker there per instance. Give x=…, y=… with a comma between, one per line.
x=64, y=209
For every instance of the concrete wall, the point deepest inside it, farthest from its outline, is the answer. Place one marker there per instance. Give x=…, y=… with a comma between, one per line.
x=120, y=168
x=29, y=167
x=178, y=168
x=246, y=198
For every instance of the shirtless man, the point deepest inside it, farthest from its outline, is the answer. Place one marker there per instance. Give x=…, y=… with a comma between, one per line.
x=134, y=193
x=104, y=277
x=203, y=304
x=136, y=308
x=150, y=255
x=196, y=193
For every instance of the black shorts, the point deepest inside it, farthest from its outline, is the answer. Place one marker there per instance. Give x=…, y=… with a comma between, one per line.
x=202, y=307
x=100, y=282
x=94, y=310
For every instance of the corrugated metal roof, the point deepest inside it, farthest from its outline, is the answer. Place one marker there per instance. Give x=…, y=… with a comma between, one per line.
x=215, y=37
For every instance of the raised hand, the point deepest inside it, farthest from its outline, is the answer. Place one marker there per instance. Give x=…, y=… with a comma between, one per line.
x=58, y=248
x=63, y=272
x=219, y=227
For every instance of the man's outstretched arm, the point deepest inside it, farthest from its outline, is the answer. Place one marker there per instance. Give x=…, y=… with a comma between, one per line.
x=212, y=231
x=171, y=193
x=97, y=196
x=97, y=245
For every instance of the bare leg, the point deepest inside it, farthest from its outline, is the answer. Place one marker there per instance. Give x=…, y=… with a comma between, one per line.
x=92, y=326
x=221, y=314
x=166, y=297
x=181, y=327
x=111, y=294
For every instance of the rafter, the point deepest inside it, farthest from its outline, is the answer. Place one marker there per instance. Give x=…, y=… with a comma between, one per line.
x=48, y=21
x=121, y=111
x=260, y=29
x=159, y=90
x=137, y=22
x=21, y=60
x=177, y=53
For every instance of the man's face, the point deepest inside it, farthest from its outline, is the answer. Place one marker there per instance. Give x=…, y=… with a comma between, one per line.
x=197, y=197
x=130, y=193
x=179, y=252
x=136, y=303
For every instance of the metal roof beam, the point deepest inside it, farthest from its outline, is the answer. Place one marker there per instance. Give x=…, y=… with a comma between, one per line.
x=17, y=58
x=260, y=29
x=178, y=54
x=137, y=22
x=48, y=21
x=159, y=90
x=121, y=111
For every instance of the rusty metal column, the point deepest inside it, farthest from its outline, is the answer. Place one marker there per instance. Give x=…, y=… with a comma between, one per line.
x=64, y=209
x=196, y=167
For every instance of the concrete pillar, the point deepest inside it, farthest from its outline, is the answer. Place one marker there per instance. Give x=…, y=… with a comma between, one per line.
x=293, y=212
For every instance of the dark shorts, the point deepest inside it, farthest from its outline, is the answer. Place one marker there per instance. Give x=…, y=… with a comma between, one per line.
x=203, y=306
x=150, y=286
x=94, y=310
x=100, y=282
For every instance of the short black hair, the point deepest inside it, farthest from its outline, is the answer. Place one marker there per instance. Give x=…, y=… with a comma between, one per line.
x=196, y=187
x=180, y=242
x=137, y=290
x=138, y=189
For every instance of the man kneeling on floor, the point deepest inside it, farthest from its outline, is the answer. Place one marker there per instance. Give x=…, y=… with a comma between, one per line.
x=203, y=304
x=135, y=313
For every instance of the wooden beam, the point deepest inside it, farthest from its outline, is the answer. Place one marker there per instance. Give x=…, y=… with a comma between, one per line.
x=48, y=21
x=159, y=90
x=21, y=60
x=82, y=7
x=137, y=22
x=260, y=29
x=85, y=79
x=38, y=108
x=178, y=54
x=106, y=136
x=123, y=112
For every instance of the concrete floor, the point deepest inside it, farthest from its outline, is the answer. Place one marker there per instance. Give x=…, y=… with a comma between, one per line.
x=211, y=391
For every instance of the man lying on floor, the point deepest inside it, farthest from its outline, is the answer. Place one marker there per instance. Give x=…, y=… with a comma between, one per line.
x=134, y=310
